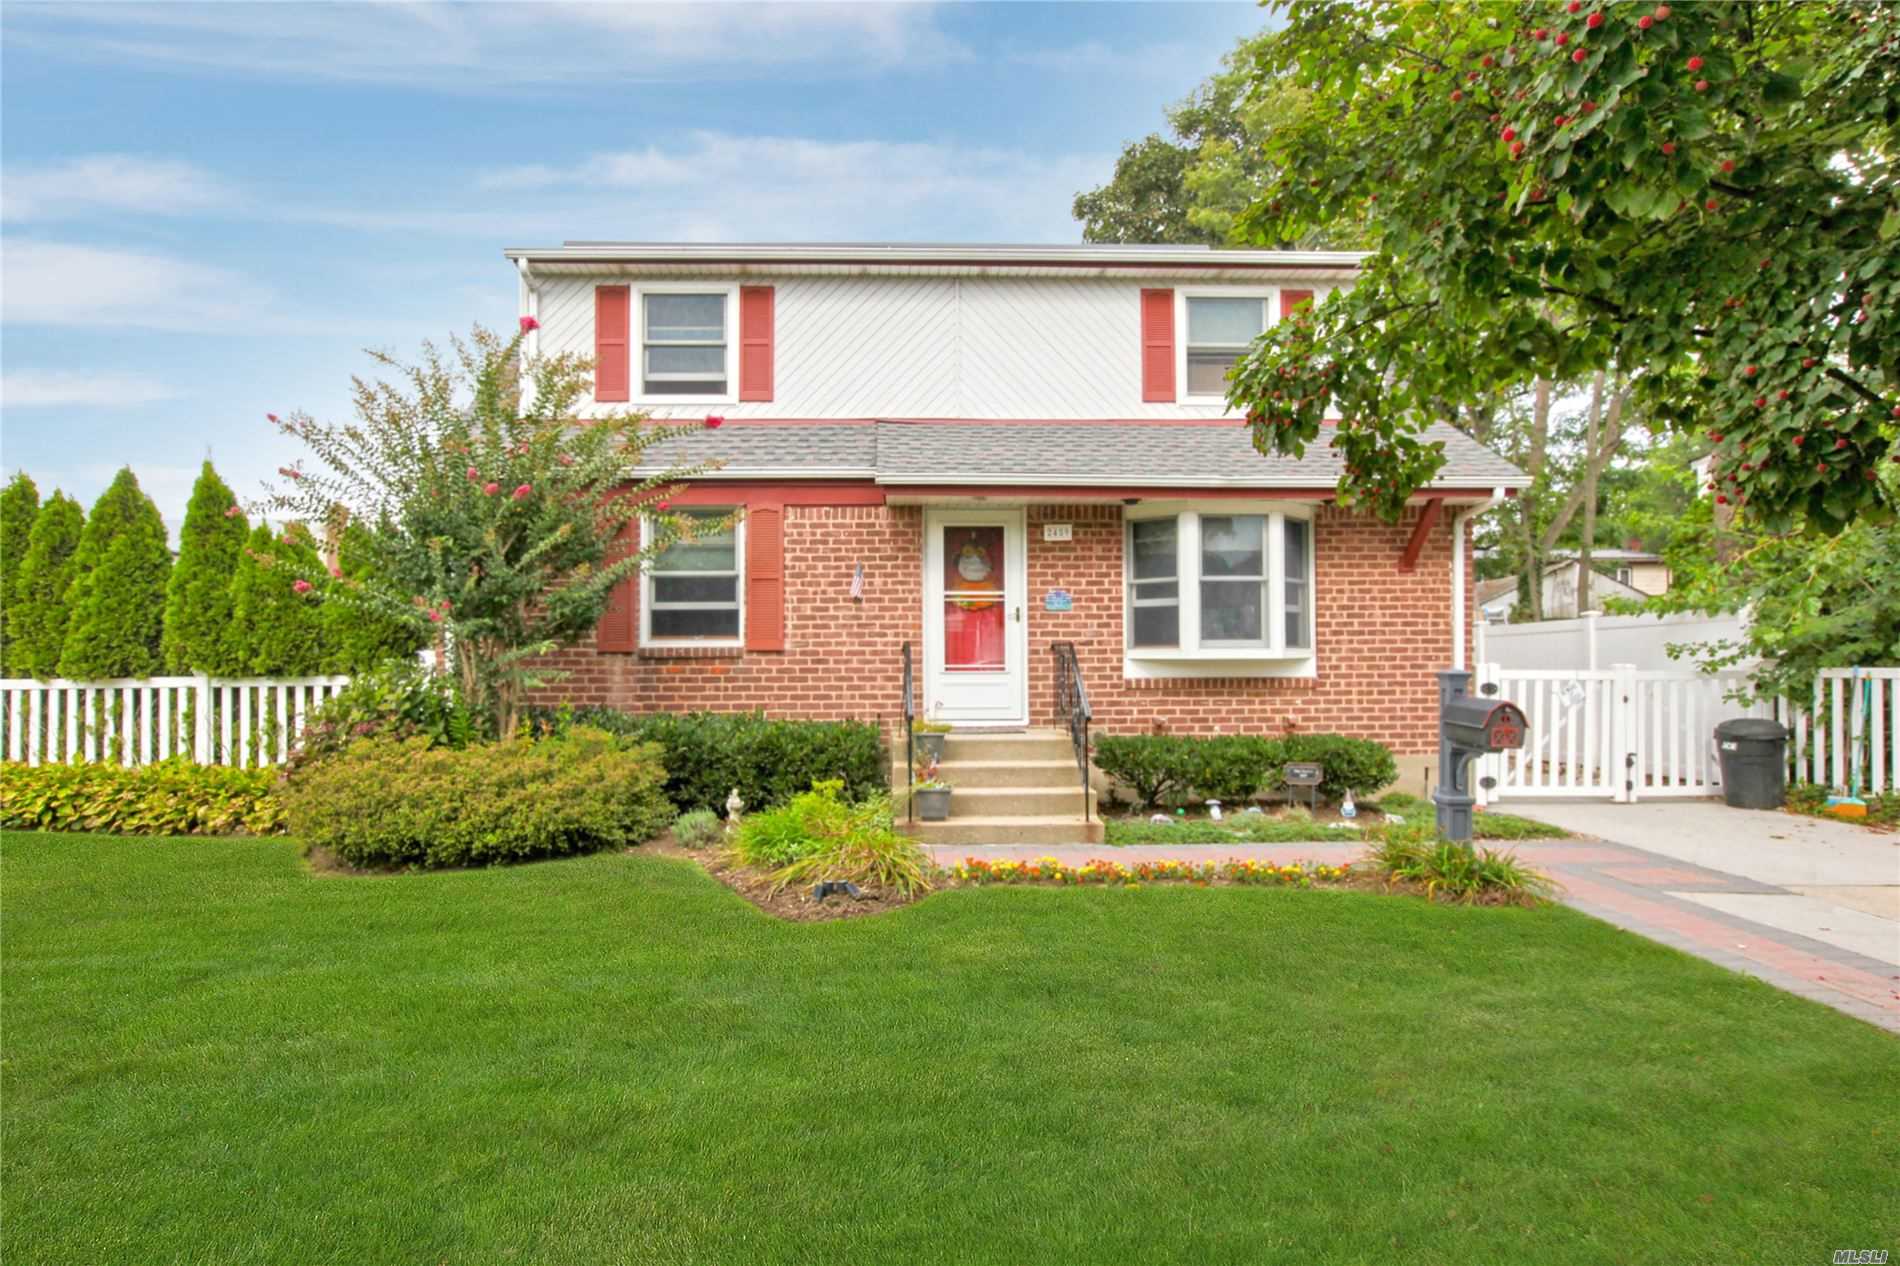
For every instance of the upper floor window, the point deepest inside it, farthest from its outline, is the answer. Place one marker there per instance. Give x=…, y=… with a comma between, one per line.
x=684, y=344
x=1220, y=328
x=693, y=587
x=1220, y=585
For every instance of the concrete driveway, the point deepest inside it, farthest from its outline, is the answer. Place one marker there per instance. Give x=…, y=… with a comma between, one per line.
x=1810, y=904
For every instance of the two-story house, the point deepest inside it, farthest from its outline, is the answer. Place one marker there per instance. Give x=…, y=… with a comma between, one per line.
x=981, y=452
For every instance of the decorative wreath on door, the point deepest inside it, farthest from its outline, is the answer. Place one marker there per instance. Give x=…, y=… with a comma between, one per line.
x=973, y=569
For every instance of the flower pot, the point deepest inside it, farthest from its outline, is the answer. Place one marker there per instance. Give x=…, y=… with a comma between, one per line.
x=933, y=804
x=930, y=745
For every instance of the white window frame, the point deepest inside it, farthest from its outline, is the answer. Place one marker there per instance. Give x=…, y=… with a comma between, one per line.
x=1269, y=297
x=638, y=324
x=1273, y=656
x=647, y=574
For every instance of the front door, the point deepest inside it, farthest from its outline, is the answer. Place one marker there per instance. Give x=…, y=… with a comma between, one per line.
x=976, y=643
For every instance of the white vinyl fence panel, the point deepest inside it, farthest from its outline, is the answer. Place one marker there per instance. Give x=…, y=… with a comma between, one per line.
x=1849, y=739
x=247, y=721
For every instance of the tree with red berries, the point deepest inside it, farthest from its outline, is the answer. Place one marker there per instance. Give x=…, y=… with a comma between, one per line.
x=1700, y=198
x=480, y=512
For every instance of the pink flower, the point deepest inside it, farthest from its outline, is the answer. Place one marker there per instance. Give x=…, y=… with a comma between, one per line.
x=444, y=604
x=288, y=473
x=435, y=617
x=231, y=512
x=529, y=323
x=714, y=421
x=474, y=476
x=663, y=505
x=271, y=416
x=336, y=573
x=567, y=459
x=301, y=586
x=491, y=488
x=521, y=493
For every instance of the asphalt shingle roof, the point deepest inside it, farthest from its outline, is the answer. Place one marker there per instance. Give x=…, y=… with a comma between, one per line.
x=1046, y=453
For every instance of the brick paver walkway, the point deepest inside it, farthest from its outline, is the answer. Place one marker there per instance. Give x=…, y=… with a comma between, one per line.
x=1625, y=886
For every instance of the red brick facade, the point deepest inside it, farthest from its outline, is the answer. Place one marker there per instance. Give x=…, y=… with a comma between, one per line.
x=1380, y=634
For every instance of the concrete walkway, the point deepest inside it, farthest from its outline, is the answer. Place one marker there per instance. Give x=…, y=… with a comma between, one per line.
x=1809, y=906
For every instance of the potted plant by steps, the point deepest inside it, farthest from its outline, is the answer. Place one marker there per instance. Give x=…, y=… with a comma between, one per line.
x=929, y=737
x=931, y=794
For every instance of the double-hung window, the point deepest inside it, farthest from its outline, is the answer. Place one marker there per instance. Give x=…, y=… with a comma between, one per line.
x=693, y=587
x=1220, y=329
x=685, y=344
x=1220, y=585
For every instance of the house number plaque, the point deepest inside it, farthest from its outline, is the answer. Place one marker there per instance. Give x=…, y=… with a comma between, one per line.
x=1058, y=531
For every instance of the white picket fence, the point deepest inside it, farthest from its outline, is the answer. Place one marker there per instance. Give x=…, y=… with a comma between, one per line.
x=1628, y=734
x=247, y=721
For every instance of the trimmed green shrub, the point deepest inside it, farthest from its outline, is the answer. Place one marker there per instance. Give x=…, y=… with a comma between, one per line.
x=1233, y=768
x=37, y=615
x=198, y=595
x=390, y=802
x=275, y=630
x=173, y=797
x=1156, y=767
x=699, y=828
x=710, y=753
x=117, y=599
x=1358, y=765
x=357, y=634
x=400, y=700
x=19, y=506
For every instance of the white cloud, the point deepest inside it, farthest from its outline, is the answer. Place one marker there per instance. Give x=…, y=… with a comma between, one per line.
x=480, y=47
x=109, y=182
x=773, y=188
x=56, y=283
x=46, y=388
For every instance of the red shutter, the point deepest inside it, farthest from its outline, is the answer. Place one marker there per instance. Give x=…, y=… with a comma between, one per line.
x=1157, y=345
x=765, y=578
x=613, y=323
x=619, y=630
x=1291, y=299
x=755, y=342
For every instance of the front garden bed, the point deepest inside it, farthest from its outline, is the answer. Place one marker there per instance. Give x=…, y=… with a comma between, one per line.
x=1284, y=825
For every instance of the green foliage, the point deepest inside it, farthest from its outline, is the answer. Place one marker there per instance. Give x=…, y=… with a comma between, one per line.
x=117, y=598
x=275, y=630
x=387, y=802
x=1293, y=825
x=198, y=595
x=485, y=513
x=1233, y=768
x=1720, y=233
x=1146, y=201
x=1413, y=854
x=817, y=835
x=710, y=753
x=37, y=615
x=698, y=828
x=359, y=635
x=19, y=507
x=173, y=797
x=401, y=699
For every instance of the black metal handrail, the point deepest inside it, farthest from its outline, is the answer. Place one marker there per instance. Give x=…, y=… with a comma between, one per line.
x=1072, y=707
x=910, y=740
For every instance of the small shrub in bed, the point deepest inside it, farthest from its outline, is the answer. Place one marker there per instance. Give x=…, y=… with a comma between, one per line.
x=1358, y=765
x=1156, y=767
x=173, y=797
x=400, y=802
x=1449, y=871
x=707, y=754
x=699, y=828
x=1232, y=768
x=816, y=836
x=401, y=699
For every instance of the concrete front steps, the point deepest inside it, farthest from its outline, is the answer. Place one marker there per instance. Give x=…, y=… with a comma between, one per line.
x=1019, y=787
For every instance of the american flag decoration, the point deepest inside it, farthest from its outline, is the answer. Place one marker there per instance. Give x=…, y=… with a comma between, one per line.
x=857, y=583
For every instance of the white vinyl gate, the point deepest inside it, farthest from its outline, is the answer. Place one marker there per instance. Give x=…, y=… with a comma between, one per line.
x=1619, y=734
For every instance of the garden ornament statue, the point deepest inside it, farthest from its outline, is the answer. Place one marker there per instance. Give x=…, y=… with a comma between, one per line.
x=734, y=807
x=1213, y=810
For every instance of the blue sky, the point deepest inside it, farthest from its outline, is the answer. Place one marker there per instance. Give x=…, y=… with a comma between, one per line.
x=207, y=211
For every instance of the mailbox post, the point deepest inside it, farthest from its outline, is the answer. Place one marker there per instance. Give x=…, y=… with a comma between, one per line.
x=1467, y=728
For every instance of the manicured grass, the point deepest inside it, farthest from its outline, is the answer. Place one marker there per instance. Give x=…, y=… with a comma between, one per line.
x=1265, y=829
x=212, y=1055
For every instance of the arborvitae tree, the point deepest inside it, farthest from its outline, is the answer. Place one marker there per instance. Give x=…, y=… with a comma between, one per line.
x=198, y=598
x=358, y=635
x=19, y=506
x=118, y=592
x=36, y=617
x=276, y=625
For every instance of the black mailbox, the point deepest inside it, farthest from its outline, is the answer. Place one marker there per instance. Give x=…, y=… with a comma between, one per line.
x=1484, y=724
x=1468, y=727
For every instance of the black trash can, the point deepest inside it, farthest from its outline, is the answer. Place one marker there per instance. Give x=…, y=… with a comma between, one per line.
x=1754, y=756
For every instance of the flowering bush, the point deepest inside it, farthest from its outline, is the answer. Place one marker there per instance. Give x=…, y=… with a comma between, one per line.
x=976, y=870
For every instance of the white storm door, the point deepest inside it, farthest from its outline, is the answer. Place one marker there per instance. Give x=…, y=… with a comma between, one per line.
x=976, y=638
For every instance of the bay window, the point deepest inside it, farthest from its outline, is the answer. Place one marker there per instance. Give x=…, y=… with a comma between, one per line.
x=1215, y=584
x=693, y=587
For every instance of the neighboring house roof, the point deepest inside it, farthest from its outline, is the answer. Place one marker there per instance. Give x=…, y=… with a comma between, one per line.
x=1491, y=590
x=1046, y=454
x=1611, y=556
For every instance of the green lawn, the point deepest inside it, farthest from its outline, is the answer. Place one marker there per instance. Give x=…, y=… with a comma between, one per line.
x=211, y=1055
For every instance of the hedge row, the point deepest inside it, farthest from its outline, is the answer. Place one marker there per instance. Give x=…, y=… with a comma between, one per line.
x=173, y=797
x=707, y=754
x=1235, y=768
